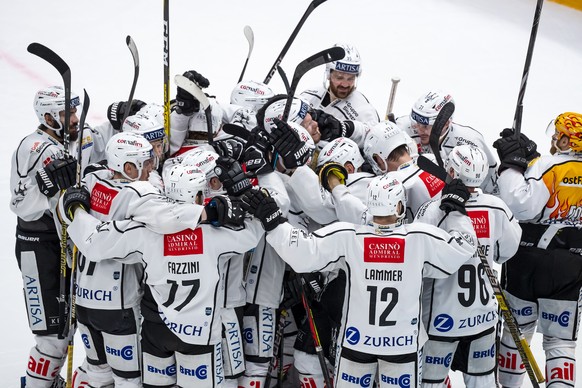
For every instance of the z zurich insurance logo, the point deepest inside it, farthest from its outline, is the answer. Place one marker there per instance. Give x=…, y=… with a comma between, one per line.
x=443, y=323
x=352, y=335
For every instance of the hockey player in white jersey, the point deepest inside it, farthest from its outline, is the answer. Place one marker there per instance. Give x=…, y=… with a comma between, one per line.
x=182, y=305
x=339, y=109
x=108, y=292
x=385, y=262
x=387, y=150
x=542, y=279
x=461, y=310
x=39, y=170
x=419, y=126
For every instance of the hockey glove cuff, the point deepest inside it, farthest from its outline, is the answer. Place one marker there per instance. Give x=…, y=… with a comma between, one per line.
x=71, y=200
x=57, y=175
x=233, y=178
x=117, y=110
x=224, y=210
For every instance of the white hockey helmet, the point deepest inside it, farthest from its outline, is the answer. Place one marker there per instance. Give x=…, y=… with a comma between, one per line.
x=350, y=63
x=469, y=164
x=147, y=126
x=385, y=193
x=202, y=159
x=51, y=100
x=155, y=111
x=251, y=94
x=185, y=183
x=297, y=113
x=381, y=140
x=128, y=147
x=197, y=122
x=341, y=150
x=305, y=136
x=426, y=108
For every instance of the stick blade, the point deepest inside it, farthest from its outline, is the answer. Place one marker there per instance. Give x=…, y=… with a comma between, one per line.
x=50, y=56
x=193, y=89
x=133, y=49
x=248, y=31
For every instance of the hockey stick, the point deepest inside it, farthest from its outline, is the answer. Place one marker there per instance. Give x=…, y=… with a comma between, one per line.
x=533, y=370
x=315, y=335
x=389, y=113
x=277, y=345
x=251, y=40
x=314, y=4
x=167, y=72
x=58, y=63
x=72, y=309
x=532, y=41
x=284, y=78
x=437, y=128
x=320, y=58
x=194, y=90
x=133, y=49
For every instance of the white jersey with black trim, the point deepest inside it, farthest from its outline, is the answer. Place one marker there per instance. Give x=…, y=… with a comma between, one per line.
x=548, y=193
x=264, y=279
x=34, y=152
x=182, y=270
x=464, y=304
x=419, y=185
x=109, y=284
x=384, y=271
x=355, y=107
x=456, y=135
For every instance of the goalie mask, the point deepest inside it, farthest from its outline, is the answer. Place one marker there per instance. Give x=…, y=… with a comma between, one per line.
x=51, y=100
x=185, y=184
x=567, y=124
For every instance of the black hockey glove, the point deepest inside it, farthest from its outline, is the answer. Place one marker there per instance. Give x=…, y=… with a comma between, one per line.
x=332, y=128
x=72, y=199
x=186, y=104
x=97, y=166
x=529, y=146
x=224, y=210
x=332, y=168
x=229, y=148
x=313, y=284
x=233, y=178
x=57, y=175
x=454, y=197
x=511, y=154
x=257, y=154
x=289, y=145
x=264, y=208
x=117, y=110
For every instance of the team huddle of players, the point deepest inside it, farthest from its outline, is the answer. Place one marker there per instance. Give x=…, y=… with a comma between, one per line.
x=302, y=243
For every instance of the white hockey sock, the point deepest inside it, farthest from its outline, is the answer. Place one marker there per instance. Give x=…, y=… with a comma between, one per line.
x=511, y=369
x=560, y=362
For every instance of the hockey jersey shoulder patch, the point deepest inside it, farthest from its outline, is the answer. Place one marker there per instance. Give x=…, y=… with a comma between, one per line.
x=383, y=250
x=186, y=242
x=102, y=198
x=480, y=220
x=433, y=184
